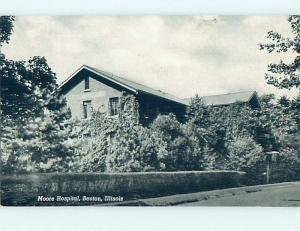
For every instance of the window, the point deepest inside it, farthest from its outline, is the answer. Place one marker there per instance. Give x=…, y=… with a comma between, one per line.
x=113, y=106
x=86, y=83
x=87, y=108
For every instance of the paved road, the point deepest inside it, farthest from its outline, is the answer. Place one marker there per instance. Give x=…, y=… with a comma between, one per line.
x=275, y=195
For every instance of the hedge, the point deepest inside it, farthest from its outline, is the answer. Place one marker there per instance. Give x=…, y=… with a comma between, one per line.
x=25, y=189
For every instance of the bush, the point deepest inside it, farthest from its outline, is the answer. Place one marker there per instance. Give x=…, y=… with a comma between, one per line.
x=214, y=127
x=244, y=153
x=119, y=144
x=204, y=156
x=212, y=138
x=180, y=151
x=124, y=151
x=286, y=166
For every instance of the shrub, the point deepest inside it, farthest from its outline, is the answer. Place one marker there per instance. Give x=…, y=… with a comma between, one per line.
x=180, y=151
x=204, y=156
x=244, y=153
x=119, y=144
x=135, y=149
x=124, y=151
x=213, y=127
x=286, y=166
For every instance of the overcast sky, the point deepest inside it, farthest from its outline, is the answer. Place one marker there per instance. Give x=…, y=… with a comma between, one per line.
x=182, y=55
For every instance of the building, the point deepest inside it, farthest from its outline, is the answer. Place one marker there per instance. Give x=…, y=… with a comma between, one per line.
x=89, y=88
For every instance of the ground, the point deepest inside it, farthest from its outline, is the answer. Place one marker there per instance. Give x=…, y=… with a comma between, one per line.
x=283, y=194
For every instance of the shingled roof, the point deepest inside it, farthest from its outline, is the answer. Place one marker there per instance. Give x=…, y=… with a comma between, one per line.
x=226, y=99
x=133, y=86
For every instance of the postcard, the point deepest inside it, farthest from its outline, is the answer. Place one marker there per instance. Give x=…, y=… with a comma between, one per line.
x=150, y=110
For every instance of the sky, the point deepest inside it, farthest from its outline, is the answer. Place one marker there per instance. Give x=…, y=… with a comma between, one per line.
x=181, y=55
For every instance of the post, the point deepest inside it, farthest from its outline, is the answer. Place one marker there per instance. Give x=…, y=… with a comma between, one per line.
x=268, y=172
x=270, y=157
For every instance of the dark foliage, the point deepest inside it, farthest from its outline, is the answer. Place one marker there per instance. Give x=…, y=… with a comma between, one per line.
x=34, y=134
x=284, y=74
x=6, y=28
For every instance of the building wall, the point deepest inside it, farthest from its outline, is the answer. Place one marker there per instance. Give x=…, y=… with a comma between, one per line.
x=99, y=95
x=101, y=90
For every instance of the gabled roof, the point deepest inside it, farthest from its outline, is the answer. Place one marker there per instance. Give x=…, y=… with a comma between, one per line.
x=128, y=84
x=226, y=99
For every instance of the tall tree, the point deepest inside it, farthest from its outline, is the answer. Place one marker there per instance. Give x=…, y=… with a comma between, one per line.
x=34, y=132
x=283, y=74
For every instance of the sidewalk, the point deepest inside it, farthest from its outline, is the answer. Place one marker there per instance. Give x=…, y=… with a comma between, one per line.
x=200, y=196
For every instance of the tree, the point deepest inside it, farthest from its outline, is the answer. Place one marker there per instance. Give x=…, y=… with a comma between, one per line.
x=294, y=106
x=283, y=74
x=214, y=127
x=34, y=115
x=6, y=28
x=133, y=148
x=275, y=121
x=204, y=157
x=202, y=122
x=34, y=132
x=219, y=128
x=13, y=88
x=278, y=131
x=91, y=151
x=16, y=100
x=180, y=153
x=282, y=119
